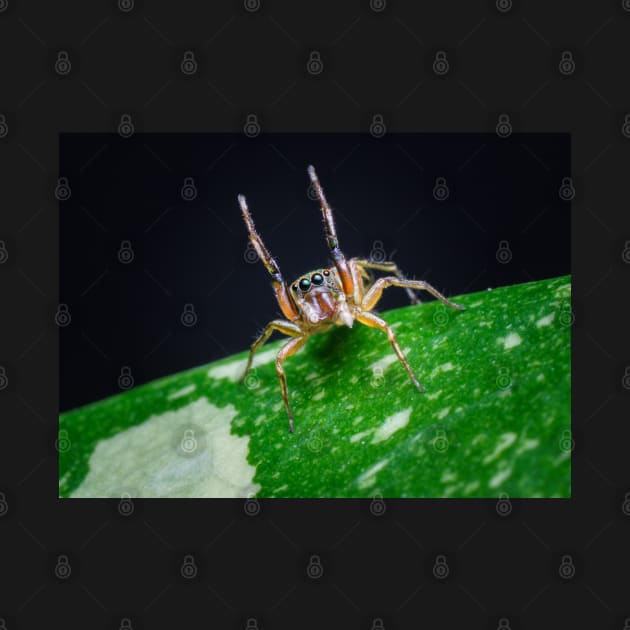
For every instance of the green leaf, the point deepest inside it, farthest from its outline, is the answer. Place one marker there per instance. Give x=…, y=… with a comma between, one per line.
x=494, y=420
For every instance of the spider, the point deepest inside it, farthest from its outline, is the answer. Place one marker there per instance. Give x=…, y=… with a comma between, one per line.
x=337, y=295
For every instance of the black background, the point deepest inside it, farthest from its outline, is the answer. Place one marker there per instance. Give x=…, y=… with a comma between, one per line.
x=126, y=312
x=504, y=59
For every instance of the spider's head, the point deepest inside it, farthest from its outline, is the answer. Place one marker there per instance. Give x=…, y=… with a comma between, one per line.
x=316, y=294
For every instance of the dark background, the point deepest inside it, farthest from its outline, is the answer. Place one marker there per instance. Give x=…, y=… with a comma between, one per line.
x=128, y=314
x=503, y=59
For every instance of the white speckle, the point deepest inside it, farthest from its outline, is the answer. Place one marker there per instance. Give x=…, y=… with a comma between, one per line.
x=234, y=369
x=512, y=340
x=281, y=488
x=443, y=413
x=368, y=478
x=184, y=391
x=540, y=378
x=147, y=458
x=354, y=380
x=445, y=367
x=564, y=291
x=434, y=395
x=391, y=425
x=311, y=376
x=500, y=477
x=527, y=445
x=505, y=392
x=471, y=487
x=278, y=406
x=505, y=441
x=448, y=475
x=476, y=392
x=546, y=320
x=359, y=436
x=357, y=420
x=320, y=394
x=379, y=367
x=562, y=457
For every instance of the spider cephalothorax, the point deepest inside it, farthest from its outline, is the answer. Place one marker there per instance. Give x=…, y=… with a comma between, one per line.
x=336, y=295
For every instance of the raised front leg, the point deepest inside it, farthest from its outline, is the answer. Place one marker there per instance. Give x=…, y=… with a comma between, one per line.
x=281, y=325
x=331, y=236
x=279, y=285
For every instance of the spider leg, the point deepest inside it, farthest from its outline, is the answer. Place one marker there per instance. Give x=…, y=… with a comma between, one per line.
x=390, y=267
x=372, y=320
x=289, y=348
x=279, y=285
x=376, y=290
x=359, y=276
x=281, y=325
x=331, y=237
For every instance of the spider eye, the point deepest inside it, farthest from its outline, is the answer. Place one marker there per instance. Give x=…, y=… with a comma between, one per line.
x=326, y=272
x=305, y=284
x=317, y=278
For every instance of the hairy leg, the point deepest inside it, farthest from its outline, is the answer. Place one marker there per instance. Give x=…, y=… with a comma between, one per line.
x=390, y=267
x=358, y=276
x=281, y=325
x=331, y=236
x=291, y=347
x=372, y=320
x=376, y=290
x=279, y=285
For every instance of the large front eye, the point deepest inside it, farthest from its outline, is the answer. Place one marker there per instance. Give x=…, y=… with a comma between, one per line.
x=317, y=278
x=305, y=285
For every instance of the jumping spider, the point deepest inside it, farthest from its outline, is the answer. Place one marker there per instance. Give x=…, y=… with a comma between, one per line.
x=336, y=295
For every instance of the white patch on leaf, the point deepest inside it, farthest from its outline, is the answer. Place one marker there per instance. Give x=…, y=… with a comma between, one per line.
x=368, y=478
x=148, y=457
x=500, y=477
x=511, y=341
x=391, y=425
x=379, y=367
x=527, y=445
x=184, y=391
x=359, y=436
x=505, y=441
x=234, y=369
x=546, y=320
